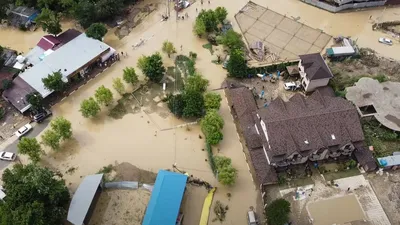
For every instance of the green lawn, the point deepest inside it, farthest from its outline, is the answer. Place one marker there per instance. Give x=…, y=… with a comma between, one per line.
x=332, y=175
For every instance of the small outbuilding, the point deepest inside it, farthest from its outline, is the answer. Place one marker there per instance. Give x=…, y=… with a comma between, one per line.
x=23, y=16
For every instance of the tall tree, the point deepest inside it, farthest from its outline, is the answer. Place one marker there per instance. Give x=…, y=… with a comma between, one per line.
x=196, y=83
x=31, y=148
x=168, y=48
x=118, y=85
x=199, y=28
x=54, y=82
x=35, y=195
x=62, y=127
x=49, y=21
x=209, y=18
x=89, y=108
x=212, y=101
x=142, y=62
x=130, y=75
x=96, y=31
x=212, y=125
x=36, y=100
x=220, y=13
x=237, y=66
x=51, y=139
x=103, y=95
x=194, y=104
x=4, y=6
x=85, y=13
x=277, y=212
x=154, y=68
x=176, y=104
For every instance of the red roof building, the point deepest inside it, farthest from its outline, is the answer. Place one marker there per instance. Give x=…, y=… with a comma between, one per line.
x=48, y=42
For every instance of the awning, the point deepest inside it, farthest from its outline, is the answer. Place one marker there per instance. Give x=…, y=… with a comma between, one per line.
x=166, y=199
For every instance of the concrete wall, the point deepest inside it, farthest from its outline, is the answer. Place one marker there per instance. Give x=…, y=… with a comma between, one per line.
x=335, y=9
x=313, y=84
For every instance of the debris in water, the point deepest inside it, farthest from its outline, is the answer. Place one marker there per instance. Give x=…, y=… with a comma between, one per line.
x=200, y=137
x=220, y=211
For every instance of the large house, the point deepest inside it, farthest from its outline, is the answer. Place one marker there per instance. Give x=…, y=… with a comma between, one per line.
x=303, y=129
x=314, y=72
x=71, y=53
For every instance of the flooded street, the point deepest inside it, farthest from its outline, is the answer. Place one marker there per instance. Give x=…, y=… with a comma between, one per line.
x=143, y=139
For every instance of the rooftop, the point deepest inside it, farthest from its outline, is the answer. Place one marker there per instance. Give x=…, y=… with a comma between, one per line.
x=308, y=124
x=78, y=52
x=48, y=42
x=166, y=198
x=384, y=97
x=315, y=66
x=17, y=93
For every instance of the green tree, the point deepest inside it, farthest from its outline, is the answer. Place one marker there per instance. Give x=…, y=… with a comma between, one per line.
x=168, y=48
x=222, y=161
x=106, y=9
x=236, y=65
x=142, y=62
x=199, y=28
x=277, y=212
x=130, y=75
x=35, y=99
x=194, y=104
x=4, y=7
x=54, y=82
x=96, y=31
x=35, y=195
x=6, y=83
x=232, y=40
x=31, y=148
x=85, y=12
x=226, y=173
x=62, y=127
x=196, y=83
x=51, y=139
x=220, y=13
x=212, y=125
x=209, y=19
x=49, y=21
x=176, y=104
x=89, y=108
x=118, y=85
x=103, y=95
x=54, y=5
x=154, y=68
x=212, y=101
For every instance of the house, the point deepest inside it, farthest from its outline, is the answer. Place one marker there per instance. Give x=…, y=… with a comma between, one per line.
x=7, y=57
x=314, y=128
x=73, y=58
x=22, y=16
x=313, y=71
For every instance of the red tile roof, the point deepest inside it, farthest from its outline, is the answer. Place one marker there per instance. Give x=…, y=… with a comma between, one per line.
x=48, y=42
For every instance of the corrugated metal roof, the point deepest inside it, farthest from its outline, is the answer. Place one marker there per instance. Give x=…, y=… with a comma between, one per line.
x=83, y=198
x=389, y=161
x=166, y=199
x=67, y=59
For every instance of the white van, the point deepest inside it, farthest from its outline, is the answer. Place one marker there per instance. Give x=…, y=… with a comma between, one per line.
x=251, y=217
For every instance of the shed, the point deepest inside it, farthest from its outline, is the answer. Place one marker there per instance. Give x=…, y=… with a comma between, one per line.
x=23, y=16
x=390, y=162
x=166, y=198
x=84, y=199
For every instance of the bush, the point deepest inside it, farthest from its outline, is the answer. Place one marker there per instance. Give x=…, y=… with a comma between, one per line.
x=193, y=55
x=226, y=173
x=277, y=212
x=211, y=160
x=381, y=78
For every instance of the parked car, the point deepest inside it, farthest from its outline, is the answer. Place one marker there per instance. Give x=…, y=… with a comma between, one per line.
x=252, y=217
x=39, y=117
x=385, y=41
x=23, y=130
x=225, y=63
x=7, y=156
x=291, y=86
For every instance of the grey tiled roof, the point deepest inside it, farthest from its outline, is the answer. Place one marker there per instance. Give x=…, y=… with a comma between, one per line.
x=315, y=66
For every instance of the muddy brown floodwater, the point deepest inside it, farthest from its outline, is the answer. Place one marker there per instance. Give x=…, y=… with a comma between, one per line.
x=138, y=138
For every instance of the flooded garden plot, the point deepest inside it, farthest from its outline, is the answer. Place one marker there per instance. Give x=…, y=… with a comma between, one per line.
x=284, y=38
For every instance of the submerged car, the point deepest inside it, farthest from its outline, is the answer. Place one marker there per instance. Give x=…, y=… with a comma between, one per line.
x=252, y=217
x=23, y=130
x=7, y=156
x=385, y=41
x=42, y=115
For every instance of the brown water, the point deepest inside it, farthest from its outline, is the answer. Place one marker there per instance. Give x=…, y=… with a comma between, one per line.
x=137, y=139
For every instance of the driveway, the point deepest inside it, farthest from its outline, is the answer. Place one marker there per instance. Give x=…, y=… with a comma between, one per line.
x=12, y=147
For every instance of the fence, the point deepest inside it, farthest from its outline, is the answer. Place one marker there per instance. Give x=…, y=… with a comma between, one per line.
x=211, y=158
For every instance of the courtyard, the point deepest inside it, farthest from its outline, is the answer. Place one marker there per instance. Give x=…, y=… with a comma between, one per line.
x=284, y=38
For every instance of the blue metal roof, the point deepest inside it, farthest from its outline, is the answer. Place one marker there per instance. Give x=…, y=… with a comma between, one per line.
x=389, y=161
x=166, y=198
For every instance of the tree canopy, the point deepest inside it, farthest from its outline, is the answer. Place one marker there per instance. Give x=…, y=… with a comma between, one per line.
x=36, y=100
x=35, y=195
x=96, y=31
x=168, y=48
x=54, y=82
x=209, y=19
x=4, y=6
x=49, y=21
x=220, y=13
x=212, y=101
x=277, y=212
x=89, y=108
x=153, y=67
x=232, y=40
x=212, y=125
x=31, y=148
x=103, y=95
x=196, y=83
x=237, y=66
x=51, y=139
x=130, y=75
x=194, y=104
x=176, y=104
x=199, y=28
x=62, y=127
x=226, y=173
x=118, y=85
